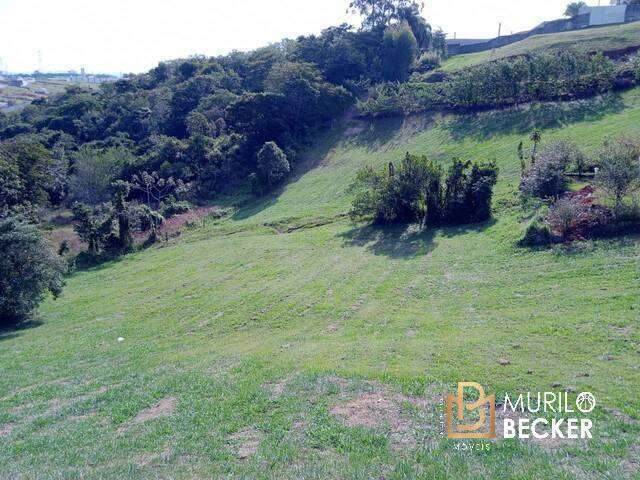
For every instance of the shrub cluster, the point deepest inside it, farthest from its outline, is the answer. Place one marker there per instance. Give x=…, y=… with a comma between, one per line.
x=578, y=215
x=563, y=75
x=418, y=190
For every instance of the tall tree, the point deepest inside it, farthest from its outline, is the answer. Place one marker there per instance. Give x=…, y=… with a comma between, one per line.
x=573, y=9
x=29, y=270
x=399, y=48
x=419, y=26
x=380, y=13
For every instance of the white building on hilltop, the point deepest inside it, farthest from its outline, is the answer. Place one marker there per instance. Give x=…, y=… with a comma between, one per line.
x=611, y=14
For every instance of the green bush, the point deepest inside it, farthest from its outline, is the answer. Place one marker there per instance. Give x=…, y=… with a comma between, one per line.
x=417, y=191
x=619, y=171
x=399, y=47
x=545, y=177
x=273, y=165
x=176, y=208
x=29, y=269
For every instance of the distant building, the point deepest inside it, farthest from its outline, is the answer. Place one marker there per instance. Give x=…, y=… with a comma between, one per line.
x=20, y=82
x=607, y=15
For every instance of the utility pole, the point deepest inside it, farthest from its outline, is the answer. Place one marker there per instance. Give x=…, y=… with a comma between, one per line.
x=499, y=28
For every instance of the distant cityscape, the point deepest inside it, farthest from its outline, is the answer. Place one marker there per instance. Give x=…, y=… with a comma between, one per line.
x=18, y=89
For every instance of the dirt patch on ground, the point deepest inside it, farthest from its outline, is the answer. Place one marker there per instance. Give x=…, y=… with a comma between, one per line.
x=29, y=388
x=5, y=430
x=80, y=418
x=146, y=459
x=245, y=442
x=276, y=389
x=55, y=406
x=384, y=408
x=333, y=328
x=163, y=408
x=622, y=416
x=622, y=331
x=631, y=465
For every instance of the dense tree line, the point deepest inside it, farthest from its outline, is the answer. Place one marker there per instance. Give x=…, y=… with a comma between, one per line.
x=204, y=120
x=128, y=155
x=563, y=75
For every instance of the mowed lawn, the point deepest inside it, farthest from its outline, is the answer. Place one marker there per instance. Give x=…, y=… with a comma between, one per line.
x=590, y=39
x=288, y=342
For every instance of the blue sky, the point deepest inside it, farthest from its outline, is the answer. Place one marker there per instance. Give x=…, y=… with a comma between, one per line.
x=120, y=36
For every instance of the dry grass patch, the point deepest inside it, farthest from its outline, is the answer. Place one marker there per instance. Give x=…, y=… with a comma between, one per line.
x=163, y=408
x=245, y=442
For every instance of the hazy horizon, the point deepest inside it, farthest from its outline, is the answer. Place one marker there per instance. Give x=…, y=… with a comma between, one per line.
x=132, y=37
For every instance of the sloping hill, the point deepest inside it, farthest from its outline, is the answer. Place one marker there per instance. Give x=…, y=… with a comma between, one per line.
x=287, y=342
x=591, y=39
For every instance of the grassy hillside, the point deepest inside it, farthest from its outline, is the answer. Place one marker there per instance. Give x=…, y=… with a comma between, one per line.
x=591, y=39
x=287, y=342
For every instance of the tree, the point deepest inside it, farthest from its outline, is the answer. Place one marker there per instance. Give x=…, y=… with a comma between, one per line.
x=399, y=49
x=415, y=192
x=154, y=189
x=310, y=100
x=573, y=9
x=536, y=138
x=619, y=173
x=92, y=225
x=273, y=165
x=419, y=26
x=29, y=270
x=379, y=13
x=93, y=172
x=25, y=173
x=545, y=178
x=122, y=214
x=150, y=220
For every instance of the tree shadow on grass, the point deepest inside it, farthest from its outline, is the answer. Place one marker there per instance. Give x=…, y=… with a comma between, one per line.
x=395, y=241
x=10, y=331
x=524, y=119
x=404, y=241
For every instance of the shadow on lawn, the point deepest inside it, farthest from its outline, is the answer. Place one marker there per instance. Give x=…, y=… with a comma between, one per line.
x=8, y=332
x=525, y=119
x=402, y=241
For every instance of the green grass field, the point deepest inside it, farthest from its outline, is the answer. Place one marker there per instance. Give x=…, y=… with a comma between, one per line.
x=591, y=39
x=287, y=342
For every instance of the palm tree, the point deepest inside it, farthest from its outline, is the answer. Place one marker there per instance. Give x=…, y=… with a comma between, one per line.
x=536, y=137
x=419, y=26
